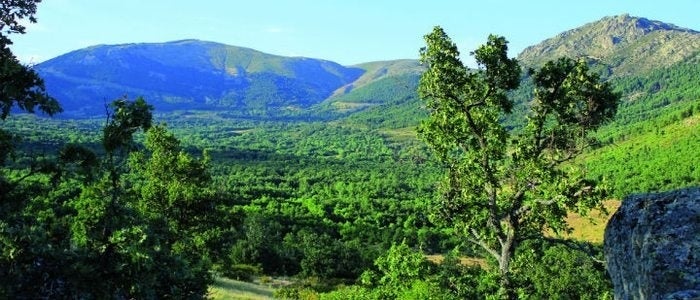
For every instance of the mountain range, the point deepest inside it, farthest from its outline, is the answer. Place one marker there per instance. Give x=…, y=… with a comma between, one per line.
x=623, y=44
x=199, y=75
x=193, y=74
x=651, y=144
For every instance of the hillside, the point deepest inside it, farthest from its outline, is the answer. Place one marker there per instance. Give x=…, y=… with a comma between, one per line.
x=191, y=75
x=198, y=75
x=385, y=84
x=654, y=65
x=650, y=145
x=624, y=45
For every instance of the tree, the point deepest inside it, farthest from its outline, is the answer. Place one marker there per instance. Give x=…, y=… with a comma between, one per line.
x=26, y=247
x=19, y=85
x=546, y=270
x=502, y=188
x=146, y=226
x=139, y=223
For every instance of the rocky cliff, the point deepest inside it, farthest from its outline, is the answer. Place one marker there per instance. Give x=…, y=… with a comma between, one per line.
x=652, y=246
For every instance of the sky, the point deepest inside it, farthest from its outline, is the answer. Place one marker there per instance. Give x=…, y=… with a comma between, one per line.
x=344, y=31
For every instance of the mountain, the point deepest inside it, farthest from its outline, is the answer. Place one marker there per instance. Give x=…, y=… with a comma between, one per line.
x=636, y=55
x=655, y=66
x=191, y=74
x=651, y=144
x=633, y=53
x=382, y=83
x=199, y=75
x=624, y=44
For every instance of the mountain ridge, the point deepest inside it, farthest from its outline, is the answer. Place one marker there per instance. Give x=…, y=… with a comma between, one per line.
x=195, y=74
x=624, y=44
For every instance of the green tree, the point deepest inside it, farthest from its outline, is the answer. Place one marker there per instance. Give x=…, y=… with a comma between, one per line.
x=19, y=85
x=172, y=193
x=145, y=227
x=27, y=260
x=546, y=270
x=113, y=241
x=501, y=188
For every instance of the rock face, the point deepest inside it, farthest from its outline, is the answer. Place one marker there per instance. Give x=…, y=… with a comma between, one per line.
x=652, y=246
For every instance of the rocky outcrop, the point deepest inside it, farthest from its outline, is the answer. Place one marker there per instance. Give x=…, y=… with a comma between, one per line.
x=652, y=246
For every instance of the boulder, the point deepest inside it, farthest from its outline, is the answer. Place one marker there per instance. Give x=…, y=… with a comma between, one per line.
x=652, y=246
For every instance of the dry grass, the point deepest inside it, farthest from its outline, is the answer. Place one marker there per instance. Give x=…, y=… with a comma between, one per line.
x=591, y=227
x=466, y=261
x=232, y=289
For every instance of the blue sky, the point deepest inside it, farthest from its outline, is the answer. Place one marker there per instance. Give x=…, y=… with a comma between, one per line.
x=347, y=31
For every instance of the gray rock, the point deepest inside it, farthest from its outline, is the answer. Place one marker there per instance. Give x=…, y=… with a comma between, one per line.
x=652, y=246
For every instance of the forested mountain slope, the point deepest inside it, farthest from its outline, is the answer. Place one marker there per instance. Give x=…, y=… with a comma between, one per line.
x=654, y=65
x=384, y=96
x=651, y=144
x=191, y=74
x=198, y=75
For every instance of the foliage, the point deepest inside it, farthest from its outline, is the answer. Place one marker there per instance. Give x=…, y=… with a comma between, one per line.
x=550, y=270
x=142, y=227
x=402, y=273
x=133, y=214
x=501, y=188
x=20, y=85
x=660, y=158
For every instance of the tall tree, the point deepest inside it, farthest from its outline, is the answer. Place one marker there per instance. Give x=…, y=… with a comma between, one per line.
x=19, y=85
x=24, y=245
x=500, y=187
x=144, y=227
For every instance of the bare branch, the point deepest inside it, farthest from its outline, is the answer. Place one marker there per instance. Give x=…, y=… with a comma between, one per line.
x=527, y=208
x=478, y=241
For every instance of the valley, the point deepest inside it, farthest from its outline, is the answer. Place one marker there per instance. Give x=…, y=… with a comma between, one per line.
x=317, y=170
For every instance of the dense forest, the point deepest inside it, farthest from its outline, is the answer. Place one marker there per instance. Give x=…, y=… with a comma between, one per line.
x=354, y=199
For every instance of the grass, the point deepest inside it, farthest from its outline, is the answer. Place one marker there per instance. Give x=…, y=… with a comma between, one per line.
x=351, y=106
x=466, y=261
x=591, y=228
x=232, y=289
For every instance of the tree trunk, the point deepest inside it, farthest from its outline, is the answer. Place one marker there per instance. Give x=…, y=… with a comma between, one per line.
x=508, y=249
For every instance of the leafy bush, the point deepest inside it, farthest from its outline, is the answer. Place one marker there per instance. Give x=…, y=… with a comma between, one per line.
x=241, y=272
x=557, y=271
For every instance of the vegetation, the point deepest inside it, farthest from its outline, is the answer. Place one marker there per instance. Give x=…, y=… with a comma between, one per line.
x=501, y=189
x=342, y=203
x=232, y=289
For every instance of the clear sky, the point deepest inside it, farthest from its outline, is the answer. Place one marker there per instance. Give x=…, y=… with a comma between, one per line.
x=345, y=31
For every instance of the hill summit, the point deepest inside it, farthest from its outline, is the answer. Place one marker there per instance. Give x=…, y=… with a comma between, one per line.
x=193, y=74
x=625, y=44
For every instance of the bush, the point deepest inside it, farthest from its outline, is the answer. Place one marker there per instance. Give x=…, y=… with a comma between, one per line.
x=296, y=293
x=556, y=271
x=242, y=272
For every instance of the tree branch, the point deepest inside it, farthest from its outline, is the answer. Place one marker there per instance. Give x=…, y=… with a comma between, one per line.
x=478, y=241
x=585, y=248
x=488, y=172
x=526, y=208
